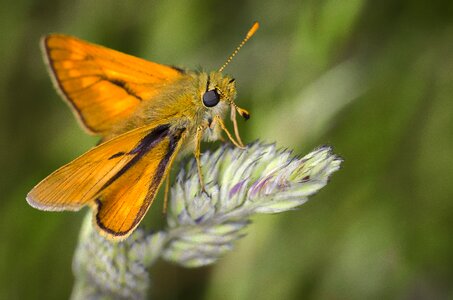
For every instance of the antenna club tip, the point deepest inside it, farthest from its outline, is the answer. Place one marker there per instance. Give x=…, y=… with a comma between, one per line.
x=244, y=113
x=252, y=30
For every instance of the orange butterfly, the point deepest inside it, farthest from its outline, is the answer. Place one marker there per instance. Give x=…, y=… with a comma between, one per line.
x=145, y=114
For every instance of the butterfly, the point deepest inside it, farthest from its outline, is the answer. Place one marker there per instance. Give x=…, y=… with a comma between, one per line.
x=146, y=114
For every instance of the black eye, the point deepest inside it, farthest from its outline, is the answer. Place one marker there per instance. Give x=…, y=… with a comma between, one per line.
x=211, y=98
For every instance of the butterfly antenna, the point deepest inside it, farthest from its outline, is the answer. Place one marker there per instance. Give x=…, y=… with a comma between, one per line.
x=250, y=33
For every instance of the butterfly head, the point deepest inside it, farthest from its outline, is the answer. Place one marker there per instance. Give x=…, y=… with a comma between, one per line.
x=220, y=92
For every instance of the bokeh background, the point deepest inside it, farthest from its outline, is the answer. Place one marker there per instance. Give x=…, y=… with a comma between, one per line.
x=372, y=78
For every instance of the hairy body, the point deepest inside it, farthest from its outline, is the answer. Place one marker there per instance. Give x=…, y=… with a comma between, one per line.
x=181, y=105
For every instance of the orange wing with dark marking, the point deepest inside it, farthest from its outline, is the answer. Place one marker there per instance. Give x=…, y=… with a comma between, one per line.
x=102, y=85
x=119, y=179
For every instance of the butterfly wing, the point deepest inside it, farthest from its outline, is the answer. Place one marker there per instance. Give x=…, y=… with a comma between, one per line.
x=119, y=179
x=102, y=85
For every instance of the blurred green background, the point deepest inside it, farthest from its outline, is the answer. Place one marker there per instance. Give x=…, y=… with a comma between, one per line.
x=372, y=78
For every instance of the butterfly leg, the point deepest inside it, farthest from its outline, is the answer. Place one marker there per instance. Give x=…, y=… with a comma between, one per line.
x=166, y=192
x=222, y=125
x=197, y=153
x=235, y=125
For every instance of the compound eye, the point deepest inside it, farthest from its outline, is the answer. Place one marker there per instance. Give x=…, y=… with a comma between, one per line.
x=211, y=98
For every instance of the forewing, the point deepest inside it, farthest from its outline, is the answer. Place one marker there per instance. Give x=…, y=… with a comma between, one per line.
x=102, y=85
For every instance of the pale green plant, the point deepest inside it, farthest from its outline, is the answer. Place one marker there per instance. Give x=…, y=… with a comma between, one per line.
x=201, y=227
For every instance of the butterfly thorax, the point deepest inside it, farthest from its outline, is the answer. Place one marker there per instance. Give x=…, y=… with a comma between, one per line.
x=180, y=104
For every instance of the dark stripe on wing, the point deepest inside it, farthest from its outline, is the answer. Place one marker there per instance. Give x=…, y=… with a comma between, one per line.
x=157, y=179
x=122, y=84
x=117, y=155
x=160, y=171
x=146, y=144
